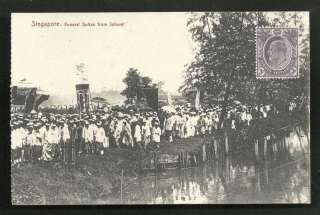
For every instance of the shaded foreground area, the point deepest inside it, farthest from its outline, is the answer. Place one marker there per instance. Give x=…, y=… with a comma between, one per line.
x=278, y=173
x=93, y=177
x=54, y=183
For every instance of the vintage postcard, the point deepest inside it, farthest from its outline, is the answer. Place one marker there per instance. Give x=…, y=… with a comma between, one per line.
x=160, y=108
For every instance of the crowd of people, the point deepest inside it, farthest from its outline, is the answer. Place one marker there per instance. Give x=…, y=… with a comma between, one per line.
x=51, y=136
x=65, y=136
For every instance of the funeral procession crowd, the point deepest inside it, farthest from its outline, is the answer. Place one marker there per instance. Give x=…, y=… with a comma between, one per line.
x=65, y=136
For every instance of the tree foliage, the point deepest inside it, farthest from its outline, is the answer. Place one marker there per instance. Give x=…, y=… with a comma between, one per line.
x=135, y=83
x=224, y=65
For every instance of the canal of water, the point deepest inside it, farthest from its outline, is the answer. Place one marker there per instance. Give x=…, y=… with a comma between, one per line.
x=280, y=174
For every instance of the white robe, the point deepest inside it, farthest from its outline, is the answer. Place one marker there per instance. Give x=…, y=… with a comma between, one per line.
x=156, y=133
x=14, y=138
x=169, y=123
x=65, y=133
x=86, y=135
x=101, y=137
x=137, y=133
x=92, y=132
x=189, y=125
x=53, y=136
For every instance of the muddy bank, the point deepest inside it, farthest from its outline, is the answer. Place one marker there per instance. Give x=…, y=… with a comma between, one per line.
x=94, y=177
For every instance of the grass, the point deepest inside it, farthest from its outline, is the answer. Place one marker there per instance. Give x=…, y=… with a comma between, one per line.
x=56, y=183
x=93, y=178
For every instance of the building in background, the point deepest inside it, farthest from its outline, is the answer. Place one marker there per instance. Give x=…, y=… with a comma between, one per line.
x=25, y=97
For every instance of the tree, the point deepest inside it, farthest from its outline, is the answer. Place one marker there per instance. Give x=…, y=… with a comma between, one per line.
x=224, y=65
x=281, y=92
x=135, y=83
x=225, y=61
x=146, y=81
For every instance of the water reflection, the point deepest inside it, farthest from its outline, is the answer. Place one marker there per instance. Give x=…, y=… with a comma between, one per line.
x=273, y=172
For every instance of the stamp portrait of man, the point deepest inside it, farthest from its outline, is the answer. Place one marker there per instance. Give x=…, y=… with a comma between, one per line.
x=277, y=53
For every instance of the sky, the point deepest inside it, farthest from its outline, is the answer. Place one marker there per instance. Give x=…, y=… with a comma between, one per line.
x=157, y=44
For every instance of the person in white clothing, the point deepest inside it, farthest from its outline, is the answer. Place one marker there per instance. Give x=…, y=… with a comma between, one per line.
x=126, y=135
x=37, y=146
x=189, y=126
x=28, y=143
x=101, y=138
x=86, y=137
x=49, y=149
x=44, y=131
x=137, y=134
x=15, y=142
x=146, y=135
x=156, y=133
x=92, y=136
x=169, y=127
x=117, y=132
x=65, y=141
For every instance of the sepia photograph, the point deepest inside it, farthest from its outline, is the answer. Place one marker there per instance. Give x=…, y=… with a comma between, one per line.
x=164, y=108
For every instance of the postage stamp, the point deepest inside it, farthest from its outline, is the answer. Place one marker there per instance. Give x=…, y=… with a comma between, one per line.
x=277, y=53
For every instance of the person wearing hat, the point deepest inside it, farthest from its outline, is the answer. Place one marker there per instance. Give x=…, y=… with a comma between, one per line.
x=133, y=121
x=137, y=134
x=184, y=125
x=111, y=126
x=201, y=125
x=73, y=142
x=22, y=133
x=215, y=121
x=146, y=134
x=194, y=121
x=101, y=139
x=92, y=135
x=65, y=140
x=68, y=142
x=196, y=118
x=86, y=137
x=127, y=139
x=169, y=123
x=37, y=146
x=149, y=120
x=14, y=142
x=181, y=121
x=44, y=132
x=118, y=131
x=79, y=141
x=248, y=118
x=28, y=143
x=188, y=126
x=51, y=140
x=59, y=151
x=176, y=127
x=156, y=133
x=76, y=137
x=56, y=138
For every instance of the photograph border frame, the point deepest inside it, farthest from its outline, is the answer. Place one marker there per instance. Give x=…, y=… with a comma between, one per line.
x=158, y=6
